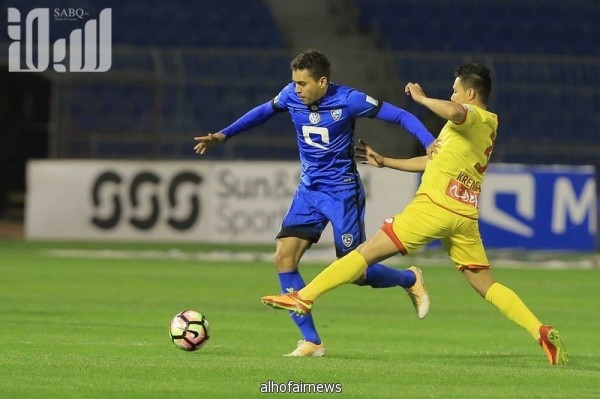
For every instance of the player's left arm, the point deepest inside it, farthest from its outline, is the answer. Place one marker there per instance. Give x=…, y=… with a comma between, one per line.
x=362, y=105
x=393, y=114
x=448, y=110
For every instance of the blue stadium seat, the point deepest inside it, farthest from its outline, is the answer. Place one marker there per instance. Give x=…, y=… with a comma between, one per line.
x=544, y=27
x=196, y=24
x=525, y=94
x=144, y=104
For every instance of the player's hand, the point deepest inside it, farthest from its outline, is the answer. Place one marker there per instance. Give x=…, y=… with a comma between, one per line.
x=205, y=142
x=432, y=149
x=368, y=155
x=415, y=91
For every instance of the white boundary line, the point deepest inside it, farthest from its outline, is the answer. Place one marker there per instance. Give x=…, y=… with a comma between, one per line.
x=502, y=260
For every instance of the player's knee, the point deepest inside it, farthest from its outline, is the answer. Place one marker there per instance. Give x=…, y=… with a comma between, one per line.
x=479, y=278
x=284, y=262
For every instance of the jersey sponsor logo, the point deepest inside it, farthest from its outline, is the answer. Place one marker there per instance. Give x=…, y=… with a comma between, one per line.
x=336, y=114
x=319, y=132
x=469, y=182
x=371, y=100
x=457, y=191
x=347, y=239
x=314, y=118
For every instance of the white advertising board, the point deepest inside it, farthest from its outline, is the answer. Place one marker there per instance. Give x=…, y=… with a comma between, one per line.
x=220, y=202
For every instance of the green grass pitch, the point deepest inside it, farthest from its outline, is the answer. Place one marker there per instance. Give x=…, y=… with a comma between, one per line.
x=97, y=327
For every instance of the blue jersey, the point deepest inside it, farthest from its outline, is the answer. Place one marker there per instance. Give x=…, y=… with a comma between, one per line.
x=330, y=189
x=325, y=133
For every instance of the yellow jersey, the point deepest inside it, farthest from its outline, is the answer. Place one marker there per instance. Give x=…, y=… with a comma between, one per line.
x=453, y=178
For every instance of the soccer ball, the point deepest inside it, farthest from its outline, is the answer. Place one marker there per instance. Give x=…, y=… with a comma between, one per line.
x=189, y=330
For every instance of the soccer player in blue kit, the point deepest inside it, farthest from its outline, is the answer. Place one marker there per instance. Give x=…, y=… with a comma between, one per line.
x=330, y=189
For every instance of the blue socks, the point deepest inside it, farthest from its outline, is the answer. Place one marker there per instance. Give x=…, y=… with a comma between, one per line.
x=380, y=276
x=306, y=323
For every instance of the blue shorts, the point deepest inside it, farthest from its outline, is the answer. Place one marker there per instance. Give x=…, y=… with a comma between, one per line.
x=311, y=210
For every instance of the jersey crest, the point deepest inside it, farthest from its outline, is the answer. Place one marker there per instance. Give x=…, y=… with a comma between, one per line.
x=347, y=239
x=336, y=114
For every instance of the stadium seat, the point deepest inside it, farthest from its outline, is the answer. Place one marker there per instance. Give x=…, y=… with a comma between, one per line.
x=525, y=94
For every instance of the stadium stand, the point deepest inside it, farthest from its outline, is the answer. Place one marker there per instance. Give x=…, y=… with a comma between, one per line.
x=178, y=69
x=496, y=26
x=184, y=68
x=543, y=55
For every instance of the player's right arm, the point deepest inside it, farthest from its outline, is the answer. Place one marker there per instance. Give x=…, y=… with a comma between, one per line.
x=371, y=157
x=256, y=116
x=416, y=164
x=205, y=142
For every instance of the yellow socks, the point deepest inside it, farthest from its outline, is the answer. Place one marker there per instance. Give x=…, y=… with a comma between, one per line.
x=511, y=306
x=342, y=271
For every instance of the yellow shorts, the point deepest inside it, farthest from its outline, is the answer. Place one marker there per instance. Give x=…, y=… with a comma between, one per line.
x=422, y=221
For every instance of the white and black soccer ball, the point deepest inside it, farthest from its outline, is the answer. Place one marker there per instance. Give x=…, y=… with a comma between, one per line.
x=189, y=330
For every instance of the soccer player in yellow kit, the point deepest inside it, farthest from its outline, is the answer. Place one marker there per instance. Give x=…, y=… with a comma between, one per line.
x=445, y=207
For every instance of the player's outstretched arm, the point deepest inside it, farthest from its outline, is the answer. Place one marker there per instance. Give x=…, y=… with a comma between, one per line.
x=416, y=164
x=371, y=157
x=448, y=110
x=210, y=140
x=393, y=114
x=368, y=155
x=252, y=118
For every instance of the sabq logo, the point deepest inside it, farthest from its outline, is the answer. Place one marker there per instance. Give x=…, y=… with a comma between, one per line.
x=90, y=50
x=141, y=191
x=68, y=14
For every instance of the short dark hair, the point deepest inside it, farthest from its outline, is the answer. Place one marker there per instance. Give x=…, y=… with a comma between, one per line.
x=314, y=62
x=476, y=76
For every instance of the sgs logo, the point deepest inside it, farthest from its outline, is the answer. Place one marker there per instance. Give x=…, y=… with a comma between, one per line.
x=140, y=200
